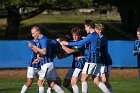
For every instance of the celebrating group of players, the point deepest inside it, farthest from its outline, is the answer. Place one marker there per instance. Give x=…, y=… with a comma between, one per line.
x=90, y=58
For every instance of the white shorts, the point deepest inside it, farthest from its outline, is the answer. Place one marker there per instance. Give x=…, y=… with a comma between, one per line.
x=31, y=72
x=105, y=69
x=77, y=72
x=45, y=68
x=92, y=69
x=69, y=73
x=52, y=75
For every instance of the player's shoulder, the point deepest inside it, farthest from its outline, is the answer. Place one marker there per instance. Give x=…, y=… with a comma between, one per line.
x=136, y=41
x=103, y=37
x=94, y=34
x=43, y=38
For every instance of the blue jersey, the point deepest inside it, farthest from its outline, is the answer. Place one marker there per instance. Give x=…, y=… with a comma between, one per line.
x=105, y=57
x=34, y=56
x=44, y=43
x=55, y=48
x=80, y=51
x=137, y=46
x=92, y=42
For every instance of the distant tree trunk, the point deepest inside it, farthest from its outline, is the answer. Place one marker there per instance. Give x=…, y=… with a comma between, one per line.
x=137, y=19
x=14, y=18
x=13, y=23
x=127, y=18
x=130, y=17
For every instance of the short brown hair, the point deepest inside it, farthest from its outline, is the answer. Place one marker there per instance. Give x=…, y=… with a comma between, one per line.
x=39, y=28
x=90, y=23
x=76, y=31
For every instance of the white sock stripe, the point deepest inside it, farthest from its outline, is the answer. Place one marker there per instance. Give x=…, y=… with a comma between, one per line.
x=41, y=89
x=84, y=87
x=75, y=89
x=58, y=89
x=103, y=87
x=24, y=89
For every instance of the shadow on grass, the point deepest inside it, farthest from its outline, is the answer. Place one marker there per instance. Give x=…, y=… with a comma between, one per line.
x=54, y=29
x=7, y=90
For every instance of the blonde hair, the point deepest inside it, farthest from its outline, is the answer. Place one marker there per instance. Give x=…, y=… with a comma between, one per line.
x=100, y=27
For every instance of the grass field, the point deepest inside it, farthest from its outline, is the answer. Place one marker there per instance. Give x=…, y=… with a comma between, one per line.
x=63, y=24
x=120, y=85
x=122, y=81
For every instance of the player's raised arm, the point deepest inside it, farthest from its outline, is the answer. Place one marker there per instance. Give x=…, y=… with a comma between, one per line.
x=30, y=45
x=36, y=49
x=42, y=51
x=67, y=49
x=36, y=34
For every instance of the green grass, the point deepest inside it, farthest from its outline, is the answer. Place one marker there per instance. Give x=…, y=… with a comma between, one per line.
x=120, y=85
x=67, y=19
x=62, y=24
x=44, y=19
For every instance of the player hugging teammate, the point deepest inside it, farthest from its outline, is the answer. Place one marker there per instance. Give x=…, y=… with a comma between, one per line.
x=95, y=62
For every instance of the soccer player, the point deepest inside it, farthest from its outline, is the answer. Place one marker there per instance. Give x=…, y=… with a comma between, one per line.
x=105, y=57
x=53, y=77
x=136, y=51
x=44, y=51
x=92, y=66
x=32, y=68
x=72, y=76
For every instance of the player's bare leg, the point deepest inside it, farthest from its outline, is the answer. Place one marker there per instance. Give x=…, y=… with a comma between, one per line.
x=26, y=85
x=41, y=85
x=74, y=80
x=55, y=87
x=105, y=77
x=102, y=86
x=84, y=78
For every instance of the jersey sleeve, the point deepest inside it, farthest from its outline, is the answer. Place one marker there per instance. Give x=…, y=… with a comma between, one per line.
x=81, y=42
x=134, y=46
x=43, y=43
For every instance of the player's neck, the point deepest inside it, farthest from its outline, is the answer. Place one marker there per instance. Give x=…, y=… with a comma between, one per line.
x=40, y=36
x=92, y=30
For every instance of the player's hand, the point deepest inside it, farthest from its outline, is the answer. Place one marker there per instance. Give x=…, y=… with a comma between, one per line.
x=78, y=58
x=35, y=61
x=135, y=53
x=64, y=43
x=30, y=44
x=39, y=58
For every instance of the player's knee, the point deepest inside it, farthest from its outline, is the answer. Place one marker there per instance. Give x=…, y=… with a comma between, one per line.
x=83, y=79
x=73, y=82
x=104, y=81
x=50, y=83
x=96, y=81
x=28, y=82
x=40, y=83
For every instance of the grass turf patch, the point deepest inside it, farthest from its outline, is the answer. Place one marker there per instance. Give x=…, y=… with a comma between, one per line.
x=119, y=85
